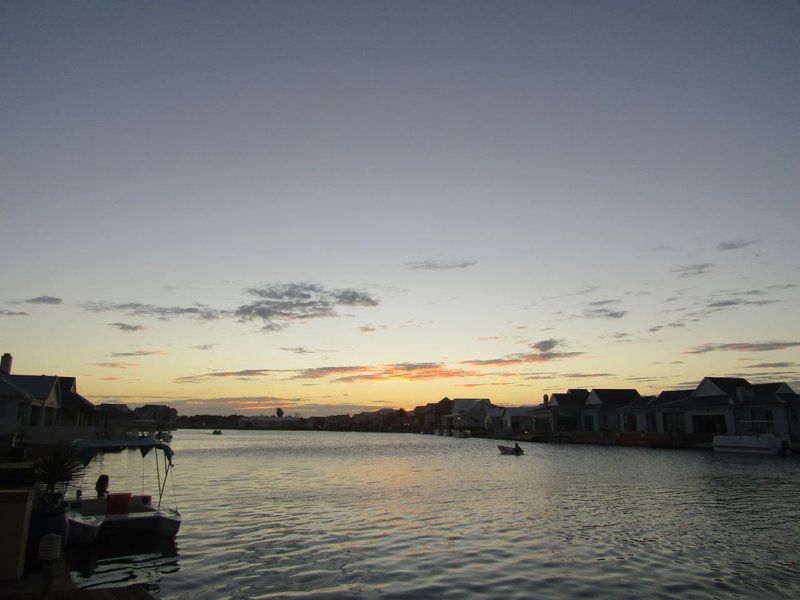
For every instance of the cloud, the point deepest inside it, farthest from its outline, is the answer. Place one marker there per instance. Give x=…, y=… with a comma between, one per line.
x=127, y=327
x=42, y=300
x=604, y=313
x=661, y=248
x=12, y=313
x=367, y=329
x=407, y=372
x=138, y=353
x=604, y=302
x=226, y=374
x=277, y=305
x=138, y=309
x=115, y=365
x=298, y=350
x=317, y=372
x=440, y=264
x=203, y=346
x=742, y=347
x=736, y=244
x=522, y=358
x=693, y=270
x=735, y=302
x=772, y=365
x=545, y=345
x=274, y=305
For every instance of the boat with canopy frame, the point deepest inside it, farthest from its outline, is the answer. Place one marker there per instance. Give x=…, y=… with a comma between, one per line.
x=123, y=513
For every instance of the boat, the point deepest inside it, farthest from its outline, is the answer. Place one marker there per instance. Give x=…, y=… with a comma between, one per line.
x=516, y=450
x=757, y=443
x=122, y=513
x=217, y=432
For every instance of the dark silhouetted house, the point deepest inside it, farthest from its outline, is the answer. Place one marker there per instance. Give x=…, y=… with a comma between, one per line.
x=467, y=413
x=76, y=411
x=114, y=420
x=155, y=417
x=602, y=406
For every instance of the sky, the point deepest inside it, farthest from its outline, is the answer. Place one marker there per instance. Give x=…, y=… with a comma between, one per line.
x=333, y=207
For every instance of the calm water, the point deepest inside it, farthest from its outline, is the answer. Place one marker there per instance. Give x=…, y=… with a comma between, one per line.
x=332, y=515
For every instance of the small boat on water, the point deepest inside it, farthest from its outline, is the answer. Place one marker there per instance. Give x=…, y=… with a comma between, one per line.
x=758, y=443
x=516, y=450
x=121, y=513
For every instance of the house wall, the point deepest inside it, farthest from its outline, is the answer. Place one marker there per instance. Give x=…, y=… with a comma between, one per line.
x=9, y=415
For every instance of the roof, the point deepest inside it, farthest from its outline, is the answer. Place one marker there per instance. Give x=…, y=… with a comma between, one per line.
x=570, y=400
x=699, y=402
x=616, y=397
x=672, y=395
x=10, y=390
x=728, y=384
x=38, y=386
x=518, y=411
x=69, y=397
x=110, y=406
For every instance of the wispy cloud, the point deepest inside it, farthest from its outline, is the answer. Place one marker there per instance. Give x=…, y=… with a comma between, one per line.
x=138, y=353
x=226, y=374
x=693, y=270
x=139, y=309
x=736, y=244
x=545, y=353
x=12, y=313
x=204, y=346
x=42, y=300
x=772, y=365
x=440, y=264
x=742, y=347
x=407, y=372
x=115, y=365
x=298, y=350
x=127, y=326
x=604, y=313
x=277, y=305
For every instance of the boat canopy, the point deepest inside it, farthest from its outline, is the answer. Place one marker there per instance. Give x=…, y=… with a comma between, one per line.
x=88, y=449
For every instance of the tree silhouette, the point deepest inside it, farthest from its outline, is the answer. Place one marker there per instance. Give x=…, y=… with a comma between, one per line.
x=279, y=412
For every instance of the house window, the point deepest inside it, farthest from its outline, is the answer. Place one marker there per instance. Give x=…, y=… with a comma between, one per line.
x=793, y=413
x=761, y=421
x=674, y=422
x=603, y=421
x=588, y=423
x=629, y=422
x=652, y=424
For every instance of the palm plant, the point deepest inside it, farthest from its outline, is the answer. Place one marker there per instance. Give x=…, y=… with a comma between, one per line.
x=54, y=470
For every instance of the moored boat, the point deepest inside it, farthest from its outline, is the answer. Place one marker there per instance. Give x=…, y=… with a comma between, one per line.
x=758, y=443
x=516, y=450
x=121, y=514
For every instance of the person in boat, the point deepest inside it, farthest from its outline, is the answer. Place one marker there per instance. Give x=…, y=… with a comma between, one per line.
x=517, y=449
x=101, y=487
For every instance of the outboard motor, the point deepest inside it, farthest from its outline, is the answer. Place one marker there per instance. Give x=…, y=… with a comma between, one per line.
x=101, y=486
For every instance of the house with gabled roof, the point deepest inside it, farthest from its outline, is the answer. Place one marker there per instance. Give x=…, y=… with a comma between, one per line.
x=467, y=413
x=601, y=409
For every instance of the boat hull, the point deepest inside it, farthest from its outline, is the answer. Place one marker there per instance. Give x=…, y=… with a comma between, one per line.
x=510, y=450
x=767, y=443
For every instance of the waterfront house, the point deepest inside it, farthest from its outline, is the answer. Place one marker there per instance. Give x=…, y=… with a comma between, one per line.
x=28, y=401
x=76, y=411
x=566, y=410
x=114, y=420
x=601, y=409
x=518, y=420
x=467, y=414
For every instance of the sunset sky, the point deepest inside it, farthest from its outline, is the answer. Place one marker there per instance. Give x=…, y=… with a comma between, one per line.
x=340, y=206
